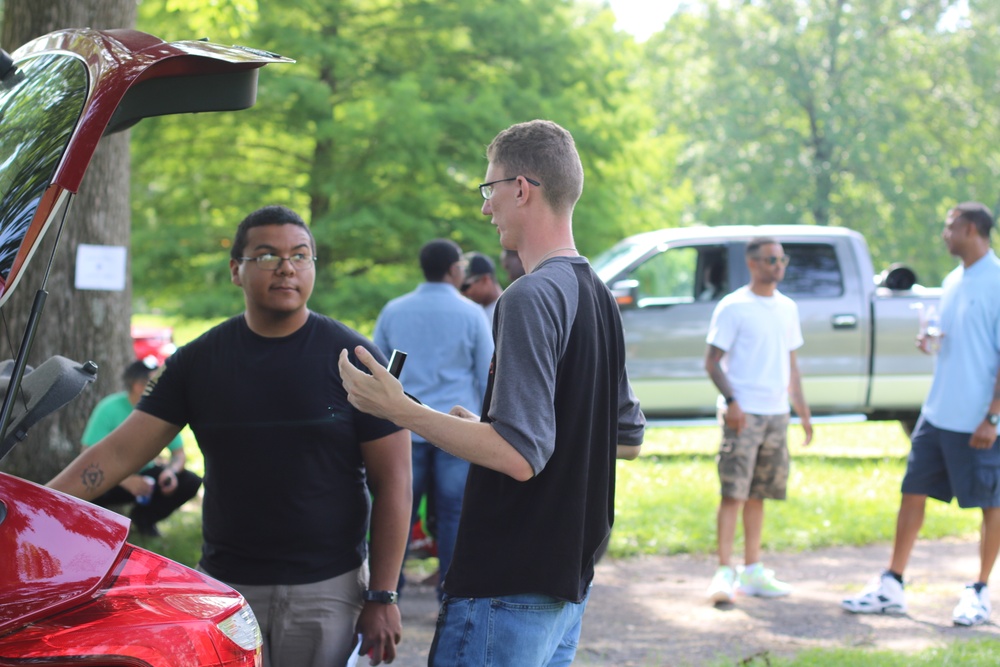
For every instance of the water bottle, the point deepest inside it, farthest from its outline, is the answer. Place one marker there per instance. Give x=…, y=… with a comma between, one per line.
x=933, y=330
x=144, y=499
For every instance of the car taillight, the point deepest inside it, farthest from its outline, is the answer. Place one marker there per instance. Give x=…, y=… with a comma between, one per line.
x=242, y=628
x=151, y=611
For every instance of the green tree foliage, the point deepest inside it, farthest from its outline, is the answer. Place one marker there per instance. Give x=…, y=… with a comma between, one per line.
x=874, y=116
x=377, y=135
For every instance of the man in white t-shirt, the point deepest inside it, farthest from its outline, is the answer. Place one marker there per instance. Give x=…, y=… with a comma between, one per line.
x=752, y=341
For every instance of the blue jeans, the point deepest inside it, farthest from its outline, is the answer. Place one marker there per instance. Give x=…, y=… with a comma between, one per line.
x=527, y=630
x=442, y=475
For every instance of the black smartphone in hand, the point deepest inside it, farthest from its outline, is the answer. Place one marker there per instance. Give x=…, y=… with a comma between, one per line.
x=396, y=362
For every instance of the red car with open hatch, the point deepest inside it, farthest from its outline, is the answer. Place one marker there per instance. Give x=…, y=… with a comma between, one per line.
x=73, y=591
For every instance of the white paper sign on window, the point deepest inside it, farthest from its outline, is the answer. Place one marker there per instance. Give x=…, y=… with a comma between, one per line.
x=101, y=267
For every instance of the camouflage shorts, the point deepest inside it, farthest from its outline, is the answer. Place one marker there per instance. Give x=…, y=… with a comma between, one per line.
x=754, y=464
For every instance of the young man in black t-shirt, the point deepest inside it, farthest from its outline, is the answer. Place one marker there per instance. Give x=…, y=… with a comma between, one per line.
x=288, y=461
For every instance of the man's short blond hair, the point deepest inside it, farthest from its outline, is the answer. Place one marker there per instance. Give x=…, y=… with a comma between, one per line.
x=546, y=152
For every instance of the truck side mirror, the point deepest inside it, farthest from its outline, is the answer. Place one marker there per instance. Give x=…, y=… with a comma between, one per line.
x=626, y=293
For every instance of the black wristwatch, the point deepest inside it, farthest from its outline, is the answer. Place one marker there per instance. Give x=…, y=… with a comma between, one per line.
x=385, y=597
x=729, y=399
x=993, y=418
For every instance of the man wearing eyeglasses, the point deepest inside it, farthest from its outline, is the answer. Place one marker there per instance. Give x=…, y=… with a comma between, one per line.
x=448, y=345
x=290, y=465
x=539, y=503
x=752, y=339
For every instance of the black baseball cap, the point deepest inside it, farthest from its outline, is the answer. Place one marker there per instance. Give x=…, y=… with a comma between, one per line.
x=478, y=264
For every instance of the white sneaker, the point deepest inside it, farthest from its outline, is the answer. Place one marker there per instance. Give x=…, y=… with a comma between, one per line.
x=883, y=595
x=973, y=608
x=757, y=580
x=723, y=586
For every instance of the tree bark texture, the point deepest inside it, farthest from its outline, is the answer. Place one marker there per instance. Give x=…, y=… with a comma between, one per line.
x=79, y=324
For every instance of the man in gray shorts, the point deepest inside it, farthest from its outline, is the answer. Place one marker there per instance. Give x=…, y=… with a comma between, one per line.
x=751, y=359
x=954, y=445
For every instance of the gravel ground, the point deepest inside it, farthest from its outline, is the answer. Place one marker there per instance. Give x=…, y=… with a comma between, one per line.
x=652, y=611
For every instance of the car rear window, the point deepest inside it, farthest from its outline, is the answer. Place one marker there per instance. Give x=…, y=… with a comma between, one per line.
x=40, y=105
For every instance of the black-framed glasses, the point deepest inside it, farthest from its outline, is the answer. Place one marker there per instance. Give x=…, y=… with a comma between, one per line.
x=772, y=260
x=486, y=189
x=270, y=262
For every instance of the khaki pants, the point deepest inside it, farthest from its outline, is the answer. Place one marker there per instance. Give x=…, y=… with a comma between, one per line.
x=308, y=625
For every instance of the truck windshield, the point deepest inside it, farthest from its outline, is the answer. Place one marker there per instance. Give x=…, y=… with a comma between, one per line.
x=613, y=260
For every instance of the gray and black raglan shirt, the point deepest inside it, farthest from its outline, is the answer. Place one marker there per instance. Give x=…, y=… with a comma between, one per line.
x=559, y=394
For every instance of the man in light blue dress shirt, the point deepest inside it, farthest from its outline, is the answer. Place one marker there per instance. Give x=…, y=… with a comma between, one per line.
x=449, y=346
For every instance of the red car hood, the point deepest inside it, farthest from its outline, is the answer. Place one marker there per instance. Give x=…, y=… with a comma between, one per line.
x=56, y=549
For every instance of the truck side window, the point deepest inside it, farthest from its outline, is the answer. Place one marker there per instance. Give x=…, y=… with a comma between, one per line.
x=712, y=284
x=813, y=271
x=667, y=278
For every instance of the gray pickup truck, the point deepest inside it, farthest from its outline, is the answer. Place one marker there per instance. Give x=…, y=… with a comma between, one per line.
x=859, y=355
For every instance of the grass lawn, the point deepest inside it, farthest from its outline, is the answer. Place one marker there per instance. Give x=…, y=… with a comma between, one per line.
x=972, y=653
x=844, y=490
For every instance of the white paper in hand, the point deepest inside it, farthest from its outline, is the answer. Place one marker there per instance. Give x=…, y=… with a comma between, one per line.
x=352, y=661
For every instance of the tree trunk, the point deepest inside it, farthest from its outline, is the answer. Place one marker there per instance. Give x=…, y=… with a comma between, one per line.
x=79, y=324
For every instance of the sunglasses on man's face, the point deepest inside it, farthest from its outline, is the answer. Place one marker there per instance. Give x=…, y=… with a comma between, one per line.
x=773, y=259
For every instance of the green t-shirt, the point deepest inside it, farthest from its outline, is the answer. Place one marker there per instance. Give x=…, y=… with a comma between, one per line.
x=107, y=415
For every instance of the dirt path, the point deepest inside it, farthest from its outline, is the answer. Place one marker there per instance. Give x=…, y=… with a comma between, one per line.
x=651, y=611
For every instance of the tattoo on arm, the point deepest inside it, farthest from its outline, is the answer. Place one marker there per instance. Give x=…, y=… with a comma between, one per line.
x=92, y=477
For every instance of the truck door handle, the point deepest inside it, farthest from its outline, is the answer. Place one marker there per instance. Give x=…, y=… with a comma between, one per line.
x=844, y=321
